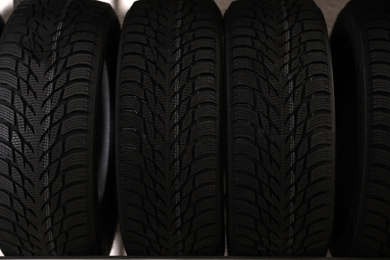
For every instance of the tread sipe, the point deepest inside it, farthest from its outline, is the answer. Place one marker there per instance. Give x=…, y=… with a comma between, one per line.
x=280, y=129
x=361, y=53
x=168, y=123
x=57, y=62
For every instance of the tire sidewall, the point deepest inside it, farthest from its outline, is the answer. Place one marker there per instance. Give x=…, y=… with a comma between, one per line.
x=347, y=27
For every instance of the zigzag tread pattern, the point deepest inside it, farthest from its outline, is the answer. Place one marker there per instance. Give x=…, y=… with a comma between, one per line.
x=281, y=126
x=168, y=123
x=45, y=100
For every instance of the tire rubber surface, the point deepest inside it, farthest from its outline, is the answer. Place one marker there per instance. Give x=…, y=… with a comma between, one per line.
x=281, y=129
x=1, y=25
x=168, y=121
x=57, y=62
x=361, y=54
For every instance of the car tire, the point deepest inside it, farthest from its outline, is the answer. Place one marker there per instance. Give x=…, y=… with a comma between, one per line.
x=1, y=25
x=57, y=83
x=361, y=54
x=281, y=129
x=168, y=142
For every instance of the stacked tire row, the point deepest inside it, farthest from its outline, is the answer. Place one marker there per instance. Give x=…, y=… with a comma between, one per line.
x=194, y=128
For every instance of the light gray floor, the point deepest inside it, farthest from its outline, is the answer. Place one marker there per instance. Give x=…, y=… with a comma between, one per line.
x=330, y=8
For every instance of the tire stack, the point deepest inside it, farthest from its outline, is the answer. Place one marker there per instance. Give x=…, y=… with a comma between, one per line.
x=189, y=129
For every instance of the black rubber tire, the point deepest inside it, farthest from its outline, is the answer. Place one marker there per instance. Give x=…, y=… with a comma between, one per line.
x=56, y=129
x=361, y=53
x=281, y=129
x=168, y=141
x=1, y=25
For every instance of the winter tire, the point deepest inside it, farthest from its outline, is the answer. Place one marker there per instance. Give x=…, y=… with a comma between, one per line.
x=280, y=129
x=168, y=141
x=57, y=73
x=361, y=53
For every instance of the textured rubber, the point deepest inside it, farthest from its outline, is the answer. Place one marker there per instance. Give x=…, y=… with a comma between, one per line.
x=361, y=53
x=281, y=129
x=54, y=131
x=168, y=122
